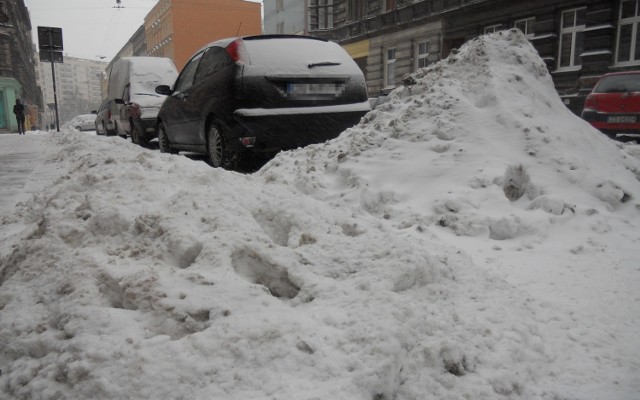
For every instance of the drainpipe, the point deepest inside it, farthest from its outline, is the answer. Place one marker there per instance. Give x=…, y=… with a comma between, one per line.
x=306, y=17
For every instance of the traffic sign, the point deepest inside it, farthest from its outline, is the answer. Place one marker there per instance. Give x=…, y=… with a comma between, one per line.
x=46, y=55
x=50, y=38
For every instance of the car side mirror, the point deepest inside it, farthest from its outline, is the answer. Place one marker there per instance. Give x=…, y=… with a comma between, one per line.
x=163, y=90
x=119, y=101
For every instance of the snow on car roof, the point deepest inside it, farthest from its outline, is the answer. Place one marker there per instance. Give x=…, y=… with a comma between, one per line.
x=146, y=73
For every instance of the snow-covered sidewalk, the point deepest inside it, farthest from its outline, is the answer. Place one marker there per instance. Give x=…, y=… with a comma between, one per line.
x=21, y=175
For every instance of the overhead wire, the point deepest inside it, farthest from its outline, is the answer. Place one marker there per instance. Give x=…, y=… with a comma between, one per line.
x=109, y=29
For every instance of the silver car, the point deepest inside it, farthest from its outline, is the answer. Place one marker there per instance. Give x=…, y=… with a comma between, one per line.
x=84, y=122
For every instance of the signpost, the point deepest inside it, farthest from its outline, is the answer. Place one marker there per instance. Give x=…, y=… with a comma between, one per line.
x=50, y=46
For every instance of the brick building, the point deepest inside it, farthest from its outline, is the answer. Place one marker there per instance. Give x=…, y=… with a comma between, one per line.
x=578, y=39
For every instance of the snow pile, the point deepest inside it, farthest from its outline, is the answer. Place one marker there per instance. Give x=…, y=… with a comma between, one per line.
x=479, y=143
x=326, y=276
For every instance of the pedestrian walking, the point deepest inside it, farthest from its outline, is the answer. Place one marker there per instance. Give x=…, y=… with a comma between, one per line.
x=18, y=110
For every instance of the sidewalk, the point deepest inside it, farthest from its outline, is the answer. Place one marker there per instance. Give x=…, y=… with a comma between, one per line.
x=21, y=168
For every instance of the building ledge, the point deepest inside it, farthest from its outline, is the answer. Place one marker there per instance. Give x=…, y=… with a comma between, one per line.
x=547, y=36
x=633, y=64
x=567, y=69
x=598, y=27
x=596, y=53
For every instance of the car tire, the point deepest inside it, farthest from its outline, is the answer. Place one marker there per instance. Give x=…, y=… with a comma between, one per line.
x=118, y=133
x=218, y=153
x=137, y=137
x=105, y=130
x=163, y=141
x=97, y=130
x=134, y=135
x=78, y=128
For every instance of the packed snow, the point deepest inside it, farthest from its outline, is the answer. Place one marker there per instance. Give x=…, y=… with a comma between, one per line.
x=469, y=239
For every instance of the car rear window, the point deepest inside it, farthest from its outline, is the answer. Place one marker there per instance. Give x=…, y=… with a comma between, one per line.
x=618, y=83
x=293, y=54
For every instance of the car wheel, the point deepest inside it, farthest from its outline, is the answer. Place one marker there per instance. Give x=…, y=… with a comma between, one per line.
x=104, y=130
x=118, y=133
x=78, y=128
x=163, y=141
x=138, y=138
x=97, y=130
x=134, y=135
x=218, y=153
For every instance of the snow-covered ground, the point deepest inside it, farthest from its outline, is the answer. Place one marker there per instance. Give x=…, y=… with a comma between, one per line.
x=470, y=239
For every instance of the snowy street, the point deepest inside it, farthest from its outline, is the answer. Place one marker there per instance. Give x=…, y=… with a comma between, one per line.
x=471, y=238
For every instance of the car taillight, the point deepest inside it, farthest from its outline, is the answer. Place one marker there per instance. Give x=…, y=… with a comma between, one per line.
x=591, y=103
x=134, y=110
x=109, y=114
x=238, y=52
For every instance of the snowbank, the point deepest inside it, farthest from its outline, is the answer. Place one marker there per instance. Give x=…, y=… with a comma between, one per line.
x=363, y=268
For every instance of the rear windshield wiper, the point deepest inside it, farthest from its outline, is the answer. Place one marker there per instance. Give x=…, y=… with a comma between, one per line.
x=323, y=64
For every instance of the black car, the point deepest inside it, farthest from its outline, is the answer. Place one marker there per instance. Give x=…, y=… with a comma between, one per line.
x=241, y=97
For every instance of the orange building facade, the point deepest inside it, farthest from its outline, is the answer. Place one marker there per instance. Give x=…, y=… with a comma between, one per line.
x=178, y=28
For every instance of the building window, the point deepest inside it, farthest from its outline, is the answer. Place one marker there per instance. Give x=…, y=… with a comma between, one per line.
x=356, y=10
x=324, y=11
x=526, y=26
x=390, y=67
x=422, y=52
x=492, y=28
x=279, y=5
x=628, y=44
x=571, y=38
x=280, y=28
x=389, y=5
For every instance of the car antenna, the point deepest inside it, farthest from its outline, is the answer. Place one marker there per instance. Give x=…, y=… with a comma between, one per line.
x=239, y=26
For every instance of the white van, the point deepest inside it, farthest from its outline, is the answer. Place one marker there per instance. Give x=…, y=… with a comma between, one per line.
x=132, y=83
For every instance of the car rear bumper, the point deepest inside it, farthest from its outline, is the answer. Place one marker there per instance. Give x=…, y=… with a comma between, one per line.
x=147, y=127
x=606, y=122
x=290, y=128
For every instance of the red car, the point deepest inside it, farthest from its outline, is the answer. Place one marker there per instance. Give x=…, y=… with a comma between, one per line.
x=613, y=106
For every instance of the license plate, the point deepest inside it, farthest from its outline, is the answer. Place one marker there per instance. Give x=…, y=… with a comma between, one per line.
x=621, y=119
x=314, y=88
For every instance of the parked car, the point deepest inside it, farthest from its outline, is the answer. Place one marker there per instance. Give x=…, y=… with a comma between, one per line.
x=613, y=106
x=83, y=122
x=241, y=97
x=132, y=83
x=103, y=121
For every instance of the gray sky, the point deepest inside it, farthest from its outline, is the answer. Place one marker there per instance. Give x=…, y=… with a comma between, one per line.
x=90, y=28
